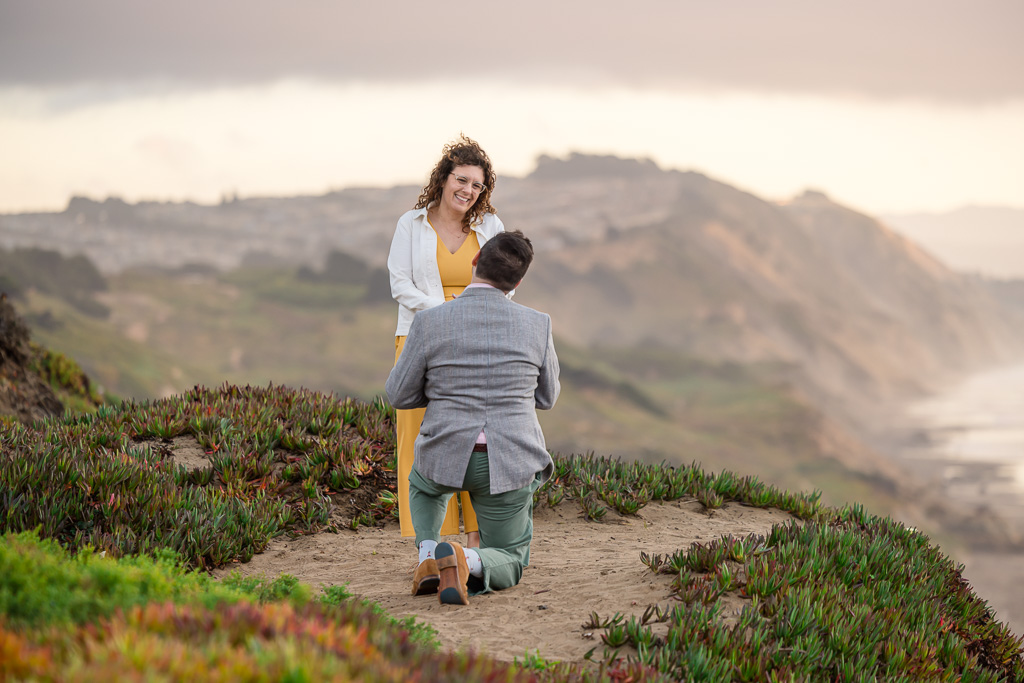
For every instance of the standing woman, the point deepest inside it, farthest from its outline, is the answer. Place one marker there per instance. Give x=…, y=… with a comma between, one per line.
x=430, y=263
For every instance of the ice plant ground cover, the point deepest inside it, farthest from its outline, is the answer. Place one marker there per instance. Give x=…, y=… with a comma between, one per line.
x=198, y=481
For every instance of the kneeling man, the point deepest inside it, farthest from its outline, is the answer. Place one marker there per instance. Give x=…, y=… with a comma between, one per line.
x=481, y=365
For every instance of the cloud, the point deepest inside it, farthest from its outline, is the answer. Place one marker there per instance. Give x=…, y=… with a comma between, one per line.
x=167, y=151
x=932, y=49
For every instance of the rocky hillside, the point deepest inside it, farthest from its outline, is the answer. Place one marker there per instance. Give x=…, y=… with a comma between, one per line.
x=677, y=260
x=34, y=383
x=630, y=257
x=24, y=395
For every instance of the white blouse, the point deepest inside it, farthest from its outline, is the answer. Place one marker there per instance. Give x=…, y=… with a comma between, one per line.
x=412, y=263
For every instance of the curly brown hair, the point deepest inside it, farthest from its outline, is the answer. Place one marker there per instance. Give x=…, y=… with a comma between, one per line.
x=462, y=152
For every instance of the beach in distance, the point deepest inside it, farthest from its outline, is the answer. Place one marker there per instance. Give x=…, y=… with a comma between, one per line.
x=969, y=441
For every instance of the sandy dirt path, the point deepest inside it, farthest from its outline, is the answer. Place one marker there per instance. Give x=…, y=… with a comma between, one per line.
x=576, y=567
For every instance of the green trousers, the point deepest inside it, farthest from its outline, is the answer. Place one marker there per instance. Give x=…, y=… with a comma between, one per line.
x=506, y=521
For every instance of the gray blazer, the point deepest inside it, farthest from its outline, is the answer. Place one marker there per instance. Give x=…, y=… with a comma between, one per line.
x=479, y=362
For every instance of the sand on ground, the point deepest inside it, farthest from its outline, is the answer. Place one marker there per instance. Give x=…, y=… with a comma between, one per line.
x=577, y=567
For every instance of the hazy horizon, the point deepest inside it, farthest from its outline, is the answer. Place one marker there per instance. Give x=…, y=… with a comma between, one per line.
x=887, y=108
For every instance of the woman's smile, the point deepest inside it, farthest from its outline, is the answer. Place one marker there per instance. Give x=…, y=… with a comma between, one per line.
x=459, y=194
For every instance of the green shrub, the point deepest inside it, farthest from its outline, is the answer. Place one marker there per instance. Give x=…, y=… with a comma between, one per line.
x=836, y=595
x=847, y=596
x=89, y=617
x=42, y=584
x=109, y=480
x=67, y=379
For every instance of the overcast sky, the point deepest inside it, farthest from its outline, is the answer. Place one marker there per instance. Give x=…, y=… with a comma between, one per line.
x=887, y=105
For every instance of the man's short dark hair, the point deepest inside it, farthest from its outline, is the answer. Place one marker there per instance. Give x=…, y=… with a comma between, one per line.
x=504, y=259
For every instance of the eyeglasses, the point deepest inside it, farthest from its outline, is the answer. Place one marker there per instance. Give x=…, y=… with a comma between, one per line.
x=463, y=181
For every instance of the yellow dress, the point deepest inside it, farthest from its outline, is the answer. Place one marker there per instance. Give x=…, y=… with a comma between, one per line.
x=456, y=271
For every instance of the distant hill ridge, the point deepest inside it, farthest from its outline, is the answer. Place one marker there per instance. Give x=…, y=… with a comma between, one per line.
x=719, y=273
x=592, y=166
x=631, y=255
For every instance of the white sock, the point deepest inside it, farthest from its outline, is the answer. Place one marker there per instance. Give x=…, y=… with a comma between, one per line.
x=476, y=565
x=427, y=549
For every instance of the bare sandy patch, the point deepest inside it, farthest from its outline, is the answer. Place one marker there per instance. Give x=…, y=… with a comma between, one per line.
x=186, y=451
x=576, y=567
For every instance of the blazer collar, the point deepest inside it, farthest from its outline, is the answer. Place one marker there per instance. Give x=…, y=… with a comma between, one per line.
x=481, y=291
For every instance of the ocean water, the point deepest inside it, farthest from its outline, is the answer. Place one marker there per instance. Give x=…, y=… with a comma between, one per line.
x=973, y=441
x=973, y=447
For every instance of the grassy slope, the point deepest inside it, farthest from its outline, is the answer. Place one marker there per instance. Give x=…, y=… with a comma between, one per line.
x=265, y=326
x=168, y=334
x=737, y=417
x=257, y=326
x=841, y=595
x=118, y=364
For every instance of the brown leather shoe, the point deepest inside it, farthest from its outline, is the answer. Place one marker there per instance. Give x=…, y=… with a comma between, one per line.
x=426, y=579
x=451, y=561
